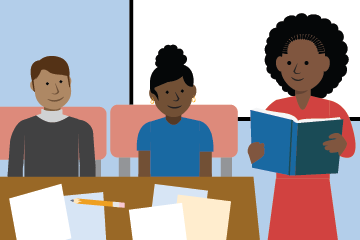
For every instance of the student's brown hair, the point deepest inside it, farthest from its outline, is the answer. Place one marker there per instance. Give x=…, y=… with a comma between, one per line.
x=52, y=64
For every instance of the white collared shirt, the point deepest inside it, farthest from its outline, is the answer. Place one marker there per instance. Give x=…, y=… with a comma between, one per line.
x=52, y=116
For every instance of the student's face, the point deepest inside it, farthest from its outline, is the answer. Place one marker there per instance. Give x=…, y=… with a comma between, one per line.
x=52, y=91
x=174, y=98
x=302, y=67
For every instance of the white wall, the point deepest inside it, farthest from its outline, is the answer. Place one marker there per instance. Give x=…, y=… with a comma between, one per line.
x=224, y=42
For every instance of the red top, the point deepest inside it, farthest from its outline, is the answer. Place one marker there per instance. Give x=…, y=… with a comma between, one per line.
x=317, y=108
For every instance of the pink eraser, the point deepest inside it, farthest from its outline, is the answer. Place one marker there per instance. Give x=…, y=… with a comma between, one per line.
x=119, y=204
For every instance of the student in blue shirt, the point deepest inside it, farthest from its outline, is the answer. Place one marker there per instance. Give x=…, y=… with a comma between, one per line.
x=174, y=146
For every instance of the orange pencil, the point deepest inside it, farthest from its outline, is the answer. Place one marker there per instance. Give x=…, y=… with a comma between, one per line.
x=98, y=203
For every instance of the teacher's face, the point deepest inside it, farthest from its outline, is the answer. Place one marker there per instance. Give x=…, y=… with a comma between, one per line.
x=302, y=67
x=174, y=97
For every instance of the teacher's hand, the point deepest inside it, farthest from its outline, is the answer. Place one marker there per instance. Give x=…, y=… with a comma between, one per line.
x=338, y=144
x=256, y=151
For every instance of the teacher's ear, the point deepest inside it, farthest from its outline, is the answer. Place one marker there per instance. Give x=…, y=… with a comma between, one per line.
x=324, y=62
x=280, y=63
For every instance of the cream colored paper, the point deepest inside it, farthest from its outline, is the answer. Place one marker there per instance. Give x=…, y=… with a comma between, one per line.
x=205, y=218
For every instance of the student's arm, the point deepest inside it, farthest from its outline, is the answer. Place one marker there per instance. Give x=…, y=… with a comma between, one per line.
x=144, y=163
x=206, y=149
x=86, y=151
x=205, y=164
x=16, y=154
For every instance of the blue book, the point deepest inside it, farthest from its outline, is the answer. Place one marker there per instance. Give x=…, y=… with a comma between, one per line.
x=294, y=147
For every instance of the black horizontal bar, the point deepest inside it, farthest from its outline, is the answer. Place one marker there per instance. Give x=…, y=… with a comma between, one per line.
x=355, y=118
x=243, y=119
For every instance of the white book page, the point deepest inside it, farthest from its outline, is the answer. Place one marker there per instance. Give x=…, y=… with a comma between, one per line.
x=317, y=120
x=291, y=117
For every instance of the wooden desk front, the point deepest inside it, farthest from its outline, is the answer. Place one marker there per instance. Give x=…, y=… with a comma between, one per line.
x=138, y=193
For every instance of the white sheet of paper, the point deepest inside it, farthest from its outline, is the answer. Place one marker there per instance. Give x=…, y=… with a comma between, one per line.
x=158, y=223
x=41, y=215
x=205, y=218
x=86, y=221
x=164, y=194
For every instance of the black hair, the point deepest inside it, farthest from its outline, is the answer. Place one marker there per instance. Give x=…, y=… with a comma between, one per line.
x=327, y=38
x=170, y=67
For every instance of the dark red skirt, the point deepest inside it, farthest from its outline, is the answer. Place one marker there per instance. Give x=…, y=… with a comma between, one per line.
x=302, y=208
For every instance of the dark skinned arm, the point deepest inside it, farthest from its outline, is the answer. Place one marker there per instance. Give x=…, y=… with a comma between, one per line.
x=144, y=163
x=205, y=164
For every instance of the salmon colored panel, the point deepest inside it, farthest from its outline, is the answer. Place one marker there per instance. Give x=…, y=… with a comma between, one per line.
x=11, y=116
x=223, y=123
x=125, y=124
x=127, y=120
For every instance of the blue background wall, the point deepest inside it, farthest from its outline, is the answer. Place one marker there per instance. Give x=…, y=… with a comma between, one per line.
x=92, y=36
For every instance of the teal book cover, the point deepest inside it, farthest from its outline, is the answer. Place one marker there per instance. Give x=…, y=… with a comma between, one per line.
x=294, y=147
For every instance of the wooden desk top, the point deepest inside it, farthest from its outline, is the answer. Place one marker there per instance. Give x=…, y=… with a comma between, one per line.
x=138, y=193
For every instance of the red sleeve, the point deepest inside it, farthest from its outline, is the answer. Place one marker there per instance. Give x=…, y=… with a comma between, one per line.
x=273, y=106
x=348, y=133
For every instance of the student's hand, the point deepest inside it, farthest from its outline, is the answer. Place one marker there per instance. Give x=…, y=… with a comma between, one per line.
x=338, y=144
x=256, y=151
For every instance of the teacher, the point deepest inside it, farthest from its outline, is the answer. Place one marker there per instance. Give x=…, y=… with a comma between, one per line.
x=306, y=55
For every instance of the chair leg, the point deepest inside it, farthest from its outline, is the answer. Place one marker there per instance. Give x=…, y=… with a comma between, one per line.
x=226, y=167
x=124, y=167
x=98, y=168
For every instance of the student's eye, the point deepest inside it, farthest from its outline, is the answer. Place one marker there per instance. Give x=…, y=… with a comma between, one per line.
x=47, y=83
x=167, y=92
x=60, y=81
x=288, y=62
x=182, y=90
x=306, y=63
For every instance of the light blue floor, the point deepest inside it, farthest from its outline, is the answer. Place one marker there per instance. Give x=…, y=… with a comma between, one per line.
x=345, y=185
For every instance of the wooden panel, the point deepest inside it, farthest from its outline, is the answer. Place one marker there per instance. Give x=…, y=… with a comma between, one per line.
x=138, y=193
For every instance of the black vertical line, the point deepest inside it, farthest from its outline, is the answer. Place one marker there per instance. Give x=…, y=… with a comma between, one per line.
x=131, y=50
x=291, y=133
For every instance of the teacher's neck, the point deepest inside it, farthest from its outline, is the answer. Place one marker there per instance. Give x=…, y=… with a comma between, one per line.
x=303, y=98
x=173, y=120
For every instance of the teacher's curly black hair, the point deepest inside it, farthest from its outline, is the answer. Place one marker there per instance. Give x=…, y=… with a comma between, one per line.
x=328, y=40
